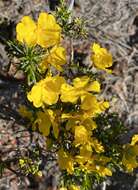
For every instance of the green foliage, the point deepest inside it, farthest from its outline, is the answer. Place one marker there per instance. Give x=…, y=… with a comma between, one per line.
x=71, y=26
x=2, y=167
x=29, y=58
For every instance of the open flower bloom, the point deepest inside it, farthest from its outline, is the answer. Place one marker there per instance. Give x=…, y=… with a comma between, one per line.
x=101, y=58
x=45, y=33
x=43, y=123
x=65, y=161
x=81, y=86
x=48, y=31
x=81, y=135
x=56, y=58
x=26, y=31
x=91, y=106
x=46, y=91
x=45, y=120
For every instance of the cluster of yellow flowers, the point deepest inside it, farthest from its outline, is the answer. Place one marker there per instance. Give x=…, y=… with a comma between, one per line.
x=54, y=90
x=67, y=108
x=45, y=33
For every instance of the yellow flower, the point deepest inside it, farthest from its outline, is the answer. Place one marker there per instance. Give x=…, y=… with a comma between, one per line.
x=56, y=58
x=97, y=145
x=35, y=95
x=74, y=187
x=71, y=187
x=90, y=105
x=22, y=163
x=85, y=160
x=86, y=151
x=84, y=84
x=45, y=33
x=43, y=122
x=76, y=118
x=101, y=58
x=65, y=161
x=103, y=171
x=134, y=139
x=89, y=124
x=81, y=86
x=81, y=82
x=46, y=91
x=39, y=173
x=55, y=121
x=26, y=31
x=68, y=93
x=48, y=31
x=81, y=135
x=129, y=159
x=104, y=105
x=24, y=112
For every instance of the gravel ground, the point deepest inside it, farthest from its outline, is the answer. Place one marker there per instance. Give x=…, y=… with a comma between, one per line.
x=112, y=23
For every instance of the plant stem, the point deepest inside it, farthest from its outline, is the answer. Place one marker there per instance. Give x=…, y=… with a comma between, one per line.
x=70, y=9
x=71, y=5
x=103, y=186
